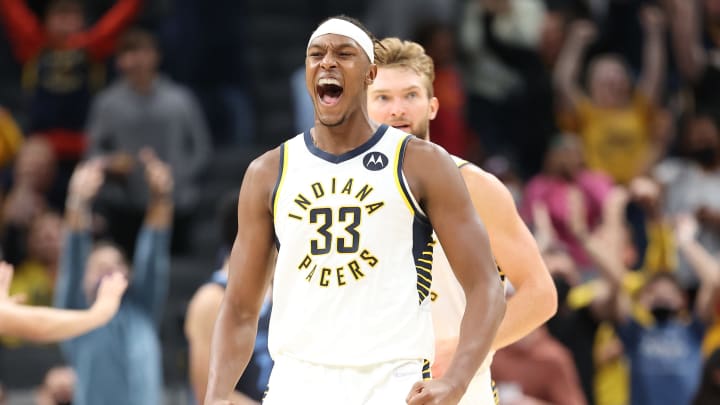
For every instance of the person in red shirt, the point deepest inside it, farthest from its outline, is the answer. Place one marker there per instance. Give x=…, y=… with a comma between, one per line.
x=63, y=64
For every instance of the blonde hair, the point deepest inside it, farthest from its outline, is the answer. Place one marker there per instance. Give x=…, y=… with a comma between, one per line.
x=394, y=52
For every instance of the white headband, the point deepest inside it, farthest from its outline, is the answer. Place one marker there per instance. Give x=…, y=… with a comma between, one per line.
x=346, y=29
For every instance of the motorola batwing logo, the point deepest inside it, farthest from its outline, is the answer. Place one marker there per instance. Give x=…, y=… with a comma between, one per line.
x=375, y=161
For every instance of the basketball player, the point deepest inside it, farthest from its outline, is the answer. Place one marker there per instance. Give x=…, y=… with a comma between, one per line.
x=201, y=315
x=42, y=324
x=402, y=96
x=349, y=206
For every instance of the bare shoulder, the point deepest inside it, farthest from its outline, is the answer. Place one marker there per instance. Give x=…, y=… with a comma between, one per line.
x=207, y=295
x=425, y=159
x=478, y=180
x=203, y=307
x=262, y=174
x=426, y=166
x=418, y=149
x=266, y=166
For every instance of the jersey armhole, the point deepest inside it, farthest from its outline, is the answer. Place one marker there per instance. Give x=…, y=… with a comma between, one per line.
x=282, y=169
x=401, y=181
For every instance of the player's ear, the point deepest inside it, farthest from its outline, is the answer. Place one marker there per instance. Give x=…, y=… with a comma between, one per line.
x=371, y=74
x=434, y=107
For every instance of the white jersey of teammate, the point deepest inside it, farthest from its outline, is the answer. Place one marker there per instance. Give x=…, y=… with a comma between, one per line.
x=448, y=308
x=352, y=280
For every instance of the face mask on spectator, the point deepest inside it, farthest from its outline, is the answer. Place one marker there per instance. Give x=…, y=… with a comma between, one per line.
x=663, y=313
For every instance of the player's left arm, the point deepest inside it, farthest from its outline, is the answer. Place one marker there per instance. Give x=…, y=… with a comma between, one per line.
x=436, y=181
x=517, y=255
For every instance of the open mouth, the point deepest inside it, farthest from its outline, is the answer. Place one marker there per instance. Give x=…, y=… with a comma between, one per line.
x=329, y=91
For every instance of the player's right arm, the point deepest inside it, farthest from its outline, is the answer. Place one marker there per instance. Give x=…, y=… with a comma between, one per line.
x=236, y=326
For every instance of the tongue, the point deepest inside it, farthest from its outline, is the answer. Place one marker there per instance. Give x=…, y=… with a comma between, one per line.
x=330, y=99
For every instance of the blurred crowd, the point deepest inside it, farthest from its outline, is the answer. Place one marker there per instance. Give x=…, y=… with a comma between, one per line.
x=602, y=117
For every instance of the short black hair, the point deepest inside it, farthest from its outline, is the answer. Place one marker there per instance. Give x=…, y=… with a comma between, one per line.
x=137, y=38
x=663, y=276
x=107, y=243
x=64, y=6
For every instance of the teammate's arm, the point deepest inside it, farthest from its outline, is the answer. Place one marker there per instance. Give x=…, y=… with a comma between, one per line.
x=435, y=179
x=236, y=326
x=517, y=254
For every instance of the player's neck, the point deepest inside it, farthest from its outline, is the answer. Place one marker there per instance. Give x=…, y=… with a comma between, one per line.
x=336, y=140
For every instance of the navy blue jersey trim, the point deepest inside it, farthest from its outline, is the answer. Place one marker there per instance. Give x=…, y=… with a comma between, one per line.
x=347, y=155
x=418, y=213
x=281, y=171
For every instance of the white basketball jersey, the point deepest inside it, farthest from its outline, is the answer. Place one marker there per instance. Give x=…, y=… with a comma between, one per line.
x=352, y=279
x=448, y=297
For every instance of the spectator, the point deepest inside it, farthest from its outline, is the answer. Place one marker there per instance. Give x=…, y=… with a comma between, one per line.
x=10, y=138
x=663, y=339
x=583, y=306
x=698, y=65
x=29, y=196
x=498, y=41
x=709, y=391
x=119, y=363
x=145, y=109
x=564, y=171
x=401, y=18
x=202, y=312
x=692, y=185
x=58, y=387
x=35, y=277
x=614, y=118
x=50, y=324
x=449, y=128
x=542, y=367
x=63, y=64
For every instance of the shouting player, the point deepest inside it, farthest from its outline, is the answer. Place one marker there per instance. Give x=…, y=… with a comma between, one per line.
x=349, y=205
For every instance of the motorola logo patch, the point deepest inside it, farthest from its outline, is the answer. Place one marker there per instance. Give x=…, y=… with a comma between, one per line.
x=375, y=161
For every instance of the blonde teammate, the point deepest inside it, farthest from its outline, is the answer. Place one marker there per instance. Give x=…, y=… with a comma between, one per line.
x=402, y=96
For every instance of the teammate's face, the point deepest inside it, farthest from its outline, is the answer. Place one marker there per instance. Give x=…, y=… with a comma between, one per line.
x=337, y=72
x=399, y=97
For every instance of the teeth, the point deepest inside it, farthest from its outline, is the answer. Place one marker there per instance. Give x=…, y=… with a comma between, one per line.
x=329, y=81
